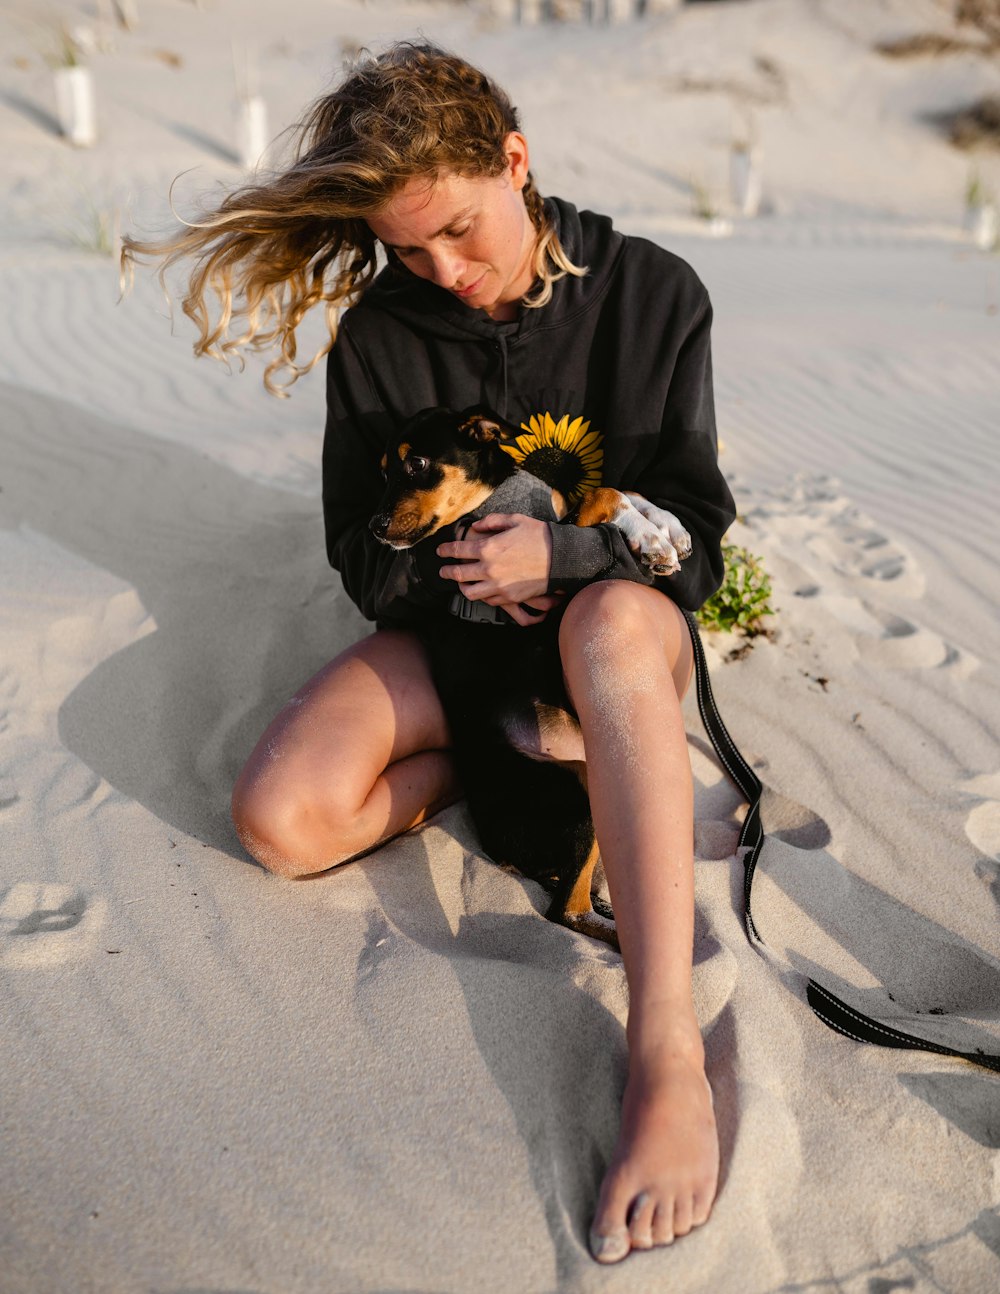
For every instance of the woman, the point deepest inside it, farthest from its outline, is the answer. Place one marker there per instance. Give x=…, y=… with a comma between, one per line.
x=599, y=346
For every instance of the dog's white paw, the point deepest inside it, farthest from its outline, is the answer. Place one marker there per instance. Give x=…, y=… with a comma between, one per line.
x=658, y=553
x=680, y=539
x=674, y=539
x=649, y=544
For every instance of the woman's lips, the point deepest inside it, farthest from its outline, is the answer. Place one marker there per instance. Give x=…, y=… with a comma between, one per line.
x=467, y=292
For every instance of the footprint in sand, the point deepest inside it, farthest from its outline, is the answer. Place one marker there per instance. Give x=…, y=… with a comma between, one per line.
x=814, y=517
x=899, y=643
x=46, y=925
x=982, y=827
x=856, y=549
x=851, y=557
x=794, y=823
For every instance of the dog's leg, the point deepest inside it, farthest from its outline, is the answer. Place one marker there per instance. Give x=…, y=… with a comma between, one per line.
x=647, y=542
x=663, y=521
x=549, y=734
x=572, y=907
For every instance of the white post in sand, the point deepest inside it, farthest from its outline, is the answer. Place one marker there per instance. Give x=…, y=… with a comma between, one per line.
x=251, y=112
x=251, y=130
x=528, y=13
x=982, y=224
x=75, y=107
x=745, y=179
x=980, y=221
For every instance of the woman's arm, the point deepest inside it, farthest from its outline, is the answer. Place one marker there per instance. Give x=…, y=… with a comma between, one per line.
x=393, y=587
x=684, y=478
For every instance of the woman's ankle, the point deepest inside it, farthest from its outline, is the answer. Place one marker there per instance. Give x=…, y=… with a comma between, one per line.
x=668, y=1035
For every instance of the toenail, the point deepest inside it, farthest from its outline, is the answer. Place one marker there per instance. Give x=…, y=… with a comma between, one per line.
x=609, y=1248
x=640, y=1202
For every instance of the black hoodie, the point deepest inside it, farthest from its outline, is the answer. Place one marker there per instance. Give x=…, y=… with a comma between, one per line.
x=625, y=348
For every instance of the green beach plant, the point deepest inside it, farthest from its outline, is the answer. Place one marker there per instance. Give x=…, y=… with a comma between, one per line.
x=93, y=224
x=63, y=49
x=744, y=599
x=977, y=194
x=702, y=204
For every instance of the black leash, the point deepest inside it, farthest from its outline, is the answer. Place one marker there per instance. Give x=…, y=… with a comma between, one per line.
x=830, y=1009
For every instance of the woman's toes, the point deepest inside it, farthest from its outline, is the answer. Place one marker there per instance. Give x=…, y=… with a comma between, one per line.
x=640, y=1221
x=663, y=1224
x=683, y=1215
x=701, y=1207
x=609, y=1245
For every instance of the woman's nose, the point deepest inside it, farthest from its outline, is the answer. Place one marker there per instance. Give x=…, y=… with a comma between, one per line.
x=447, y=268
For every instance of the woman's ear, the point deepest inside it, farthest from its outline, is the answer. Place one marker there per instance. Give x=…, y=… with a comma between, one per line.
x=516, y=148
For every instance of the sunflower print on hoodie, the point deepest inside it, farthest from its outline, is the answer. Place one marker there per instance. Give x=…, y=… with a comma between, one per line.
x=566, y=454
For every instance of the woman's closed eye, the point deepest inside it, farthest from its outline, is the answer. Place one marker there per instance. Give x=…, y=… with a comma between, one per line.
x=404, y=252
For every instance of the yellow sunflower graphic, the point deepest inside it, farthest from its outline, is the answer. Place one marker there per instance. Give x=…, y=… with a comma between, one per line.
x=566, y=455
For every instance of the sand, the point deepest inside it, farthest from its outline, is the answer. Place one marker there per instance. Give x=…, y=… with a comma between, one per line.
x=398, y=1076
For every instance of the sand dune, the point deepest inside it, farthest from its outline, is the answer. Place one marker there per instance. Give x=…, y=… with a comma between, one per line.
x=399, y=1076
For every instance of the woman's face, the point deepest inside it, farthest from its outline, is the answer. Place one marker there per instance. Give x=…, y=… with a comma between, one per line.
x=472, y=237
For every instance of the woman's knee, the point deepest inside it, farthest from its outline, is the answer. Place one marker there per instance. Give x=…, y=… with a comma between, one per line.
x=617, y=630
x=290, y=832
x=614, y=615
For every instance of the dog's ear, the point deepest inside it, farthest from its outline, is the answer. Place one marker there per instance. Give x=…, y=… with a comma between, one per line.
x=483, y=425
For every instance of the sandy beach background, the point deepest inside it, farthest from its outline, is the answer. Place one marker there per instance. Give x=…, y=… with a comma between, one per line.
x=398, y=1076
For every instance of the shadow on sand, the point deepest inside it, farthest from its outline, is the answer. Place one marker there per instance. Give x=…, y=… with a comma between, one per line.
x=234, y=575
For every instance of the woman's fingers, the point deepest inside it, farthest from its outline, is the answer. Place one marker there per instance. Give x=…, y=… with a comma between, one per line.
x=544, y=603
x=520, y=614
x=464, y=573
x=466, y=546
x=509, y=558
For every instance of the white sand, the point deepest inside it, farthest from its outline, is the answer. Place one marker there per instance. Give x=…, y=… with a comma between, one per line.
x=399, y=1077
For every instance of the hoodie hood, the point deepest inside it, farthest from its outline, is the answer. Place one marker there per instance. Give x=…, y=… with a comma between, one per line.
x=434, y=312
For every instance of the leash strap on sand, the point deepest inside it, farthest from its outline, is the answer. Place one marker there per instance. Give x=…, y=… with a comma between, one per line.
x=830, y=1009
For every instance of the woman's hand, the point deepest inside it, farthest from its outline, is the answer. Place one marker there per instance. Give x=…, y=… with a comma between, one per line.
x=504, y=559
x=540, y=607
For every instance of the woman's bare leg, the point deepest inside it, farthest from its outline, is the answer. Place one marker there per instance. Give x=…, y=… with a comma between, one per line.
x=627, y=659
x=359, y=754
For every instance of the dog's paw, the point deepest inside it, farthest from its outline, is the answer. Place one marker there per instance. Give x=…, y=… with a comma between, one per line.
x=648, y=542
x=655, y=536
x=595, y=925
x=657, y=553
x=681, y=541
x=669, y=525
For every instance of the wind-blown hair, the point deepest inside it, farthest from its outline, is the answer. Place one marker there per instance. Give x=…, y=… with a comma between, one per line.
x=283, y=243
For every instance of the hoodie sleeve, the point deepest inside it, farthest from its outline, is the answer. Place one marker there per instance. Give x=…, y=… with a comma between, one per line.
x=683, y=478
x=395, y=588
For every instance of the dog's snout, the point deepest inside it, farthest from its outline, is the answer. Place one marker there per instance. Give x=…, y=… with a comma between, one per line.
x=379, y=524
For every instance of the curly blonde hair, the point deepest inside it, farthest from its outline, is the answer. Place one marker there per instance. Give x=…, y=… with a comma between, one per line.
x=283, y=243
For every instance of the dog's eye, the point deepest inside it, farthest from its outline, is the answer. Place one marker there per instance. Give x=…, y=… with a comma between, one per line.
x=416, y=464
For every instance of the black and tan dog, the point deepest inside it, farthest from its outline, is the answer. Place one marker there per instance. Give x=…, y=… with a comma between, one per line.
x=517, y=743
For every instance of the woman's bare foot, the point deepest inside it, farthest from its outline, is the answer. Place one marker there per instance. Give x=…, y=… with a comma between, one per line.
x=662, y=1178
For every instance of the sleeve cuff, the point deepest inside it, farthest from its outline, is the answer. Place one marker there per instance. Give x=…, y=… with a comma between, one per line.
x=579, y=555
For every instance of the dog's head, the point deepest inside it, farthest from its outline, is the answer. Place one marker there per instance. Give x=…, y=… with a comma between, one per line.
x=440, y=466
